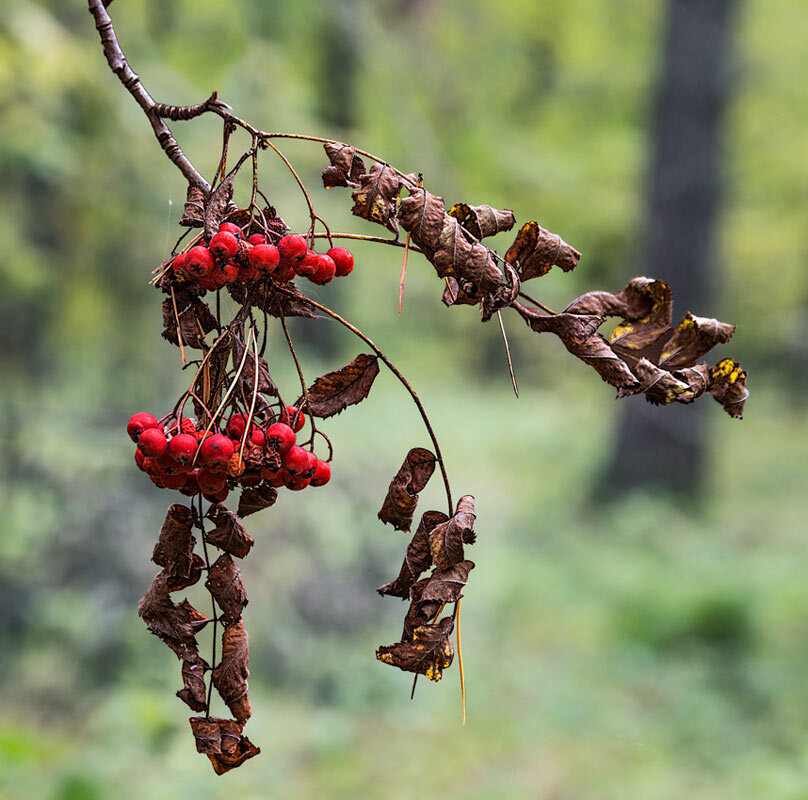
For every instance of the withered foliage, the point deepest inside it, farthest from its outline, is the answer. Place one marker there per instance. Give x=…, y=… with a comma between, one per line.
x=438, y=542
x=230, y=677
x=644, y=353
x=332, y=393
x=346, y=166
x=229, y=534
x=402, y=495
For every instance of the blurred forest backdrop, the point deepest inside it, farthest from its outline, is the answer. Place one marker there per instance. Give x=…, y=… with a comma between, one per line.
x=617, y=643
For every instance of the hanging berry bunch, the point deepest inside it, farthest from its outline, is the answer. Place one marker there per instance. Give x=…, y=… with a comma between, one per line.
x=232, y=433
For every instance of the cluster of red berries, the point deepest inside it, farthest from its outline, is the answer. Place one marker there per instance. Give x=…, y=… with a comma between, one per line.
x=229, y=257
x=181, y=455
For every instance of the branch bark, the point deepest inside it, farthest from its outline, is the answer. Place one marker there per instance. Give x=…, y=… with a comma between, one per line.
x=154, y=111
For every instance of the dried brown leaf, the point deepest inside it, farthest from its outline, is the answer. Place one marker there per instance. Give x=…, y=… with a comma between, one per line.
x=177, y=582
x=173, y=624
x=578, y=333
x=728, y=386
x=230, y=677
x=446, y=585
x=429, y=653
x=659, y=386
x=422, y=215
x=256, y=498
x=225, y=584
x=536, y=250
x=196, y=315
x=693, y=337
x=175, y=548
x=194, y=211
x=446, y=539
x=288, y=303
x=375, y=199
x=402, y=495
x=346, y=166
x=637, y=333
x=482, y=221
x=417, y=558
x=214, y=735
x=194, y=693
x=218, y=204
x=332, y=393
x=247, y=378
x=224, y=762
x=229, y=534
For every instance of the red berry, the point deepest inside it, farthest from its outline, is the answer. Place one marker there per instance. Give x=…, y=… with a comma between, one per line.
x=215, y=452
x=218, y=497
x=229, y=227
x=182, y=448
x=343, y=260
x=257, y=238
x=211, y=482
x=236, y=426
x=265, y=257
x=294, y=482
x=322, y=474
x=231, y=273
x=191, y=487
x=308, y=265
x=186, y=425
x=209, y=283
x=257, y=436
x=224, y=245
x=175, y=481
x=293, y=417
x=157, y=481
x=152, y=442
x=285, y=272
x=178, y=266
x=166, y=465
x=198, y=262
x=270, y=474
x=277, y=481
x=140, y=422
x=310, y=467
x=280, y=437
x=139, y=459
x=296, y=461
x=292, y=248
x=249, y=480
x=324, y=271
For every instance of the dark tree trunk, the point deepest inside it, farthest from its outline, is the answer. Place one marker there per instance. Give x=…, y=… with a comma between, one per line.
x=664, y=447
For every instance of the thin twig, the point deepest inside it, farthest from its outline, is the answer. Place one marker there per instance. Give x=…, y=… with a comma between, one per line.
x=213, y=604
x=303, y=388
x=507, y=353
x=392, y=367
x=537, y=303
x=132, y=83
x=179, y=328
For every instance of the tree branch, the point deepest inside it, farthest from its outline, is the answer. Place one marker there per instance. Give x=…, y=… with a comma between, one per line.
x=132, y=83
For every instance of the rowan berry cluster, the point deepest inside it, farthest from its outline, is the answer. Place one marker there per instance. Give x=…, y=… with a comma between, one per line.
x=234, y=255
x=192, y=459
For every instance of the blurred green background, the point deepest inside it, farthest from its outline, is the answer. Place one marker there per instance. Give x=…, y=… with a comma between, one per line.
x=654, y=646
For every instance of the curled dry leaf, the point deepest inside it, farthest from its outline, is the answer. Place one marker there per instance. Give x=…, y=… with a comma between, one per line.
x=174, y=550
x=420, y=611
x=247, y=378
x=218, y=203
x=728, y=386
x=194, y=693
x=346, y=166
x=446, y=585
x=429, y=652
x=214, y=735
x=482, y=221
x=177, y=582
x=195, y=321
x=229, y=534
x=375, y=199
x=332, y=393
x=446, y=539
x=285, y=300
x=417, y=559
x=579, y=334
x=402, y=495
x=692, y=338
x=230, y=677
x=225, y=584
x=194, y=211
x=256, y=498
x=224, y=762
x=536, y=250
x=175, y=625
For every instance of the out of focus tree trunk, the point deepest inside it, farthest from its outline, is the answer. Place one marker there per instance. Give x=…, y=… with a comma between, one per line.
x=665, y=447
